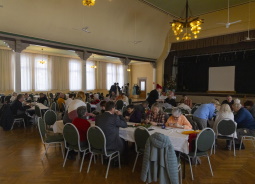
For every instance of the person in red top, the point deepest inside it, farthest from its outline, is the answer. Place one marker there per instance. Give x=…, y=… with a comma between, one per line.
x=82, y=125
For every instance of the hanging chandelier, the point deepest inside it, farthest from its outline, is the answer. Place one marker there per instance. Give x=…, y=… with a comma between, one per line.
x=42, y=61
x=191, y=25
x=88, y=2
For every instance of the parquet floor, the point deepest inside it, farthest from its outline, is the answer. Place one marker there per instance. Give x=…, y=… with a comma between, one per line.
x=21, y=150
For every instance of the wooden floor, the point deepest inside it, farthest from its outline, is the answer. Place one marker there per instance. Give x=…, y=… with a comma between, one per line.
x=21, y=150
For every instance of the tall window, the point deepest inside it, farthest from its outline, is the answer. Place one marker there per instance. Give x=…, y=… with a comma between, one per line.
x=90, y=76
x=42, y=74
x=26, y=73
x=75, y=75
x=114, y=73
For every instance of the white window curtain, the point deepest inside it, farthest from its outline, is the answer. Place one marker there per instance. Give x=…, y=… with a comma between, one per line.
x=75, y=75
x=90, y=75
x=114, y=73
x=34, y=75
x=7, y=71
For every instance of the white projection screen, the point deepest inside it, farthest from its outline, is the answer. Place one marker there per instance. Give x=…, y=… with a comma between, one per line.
x=222, y=79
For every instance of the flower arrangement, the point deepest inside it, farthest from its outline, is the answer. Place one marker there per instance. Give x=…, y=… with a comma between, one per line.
x=171, y=84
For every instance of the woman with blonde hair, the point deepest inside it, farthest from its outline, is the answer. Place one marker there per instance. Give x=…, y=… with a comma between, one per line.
x=156, y=116
x=224, y=113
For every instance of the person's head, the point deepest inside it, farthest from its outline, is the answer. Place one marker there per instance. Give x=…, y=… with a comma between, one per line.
x=62, y=95
x=170, y=94
x=113, y=93
x=20, y=97
x=41, y=95
x=176, y=113
x=110, y=106
x=156, y=108
x=103, y=104
x=158, y=88
x=81, y=95
x=71, y=95
x=215, y=102
x=117, y=84
x=236, y=107
x=185, y=97
x=248, y=104
x=81, y=111
x=130, y=108
x=14, y=94
x=26, y=95
x=229, y=98
x=145, y=104
x=225, y=108
x=107, y=95
x=237, y=101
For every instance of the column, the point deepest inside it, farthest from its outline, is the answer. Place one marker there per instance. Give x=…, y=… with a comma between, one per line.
x=84, y=55
x=17, y=46
x=125, y=62
x=154, y=74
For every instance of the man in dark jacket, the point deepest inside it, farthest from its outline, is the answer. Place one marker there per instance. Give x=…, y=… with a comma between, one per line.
x=154, y=95
x=109, y=122
x=18, y=109
x=142, y=107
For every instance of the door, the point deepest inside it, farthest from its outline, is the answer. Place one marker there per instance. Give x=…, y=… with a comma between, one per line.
x=142, y=85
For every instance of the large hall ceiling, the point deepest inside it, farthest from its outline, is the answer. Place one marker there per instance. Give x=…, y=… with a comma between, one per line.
x=116, y=24
x=176, y=8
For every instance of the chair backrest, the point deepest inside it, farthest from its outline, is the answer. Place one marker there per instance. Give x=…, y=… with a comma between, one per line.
x=205, y=140
x=38, y=112
x=53, y=106
x=119, y=105
x=226, y=127
x=45, y=103
x=41, y=128
x=141, y=135
x=194, y=109
x=168, y=111
x=88, y=107
x=63, y=107
x=50, y=117
x=51, y=96
x=71, y=137
x=96, y=140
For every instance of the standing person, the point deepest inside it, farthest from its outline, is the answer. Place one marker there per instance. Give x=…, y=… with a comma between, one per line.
x=18, y=109
x=154, y=95
x=109, y=122
x=204, y=113
x=228, y=101
x=113, y=89
x=117, y=89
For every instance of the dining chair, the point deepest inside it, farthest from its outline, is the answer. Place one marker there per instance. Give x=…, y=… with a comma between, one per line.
x=38, y=111
x=226, y=130
x=141, y=134
x=49, y=140
x=45, y=103
x=53, y=106
x=50, y=117
x=247, y=138
x=203, y=143
x=97, y=145
x=18, y=120
x=72, y=142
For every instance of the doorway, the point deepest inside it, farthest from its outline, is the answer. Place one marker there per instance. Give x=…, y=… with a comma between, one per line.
x=142, y=82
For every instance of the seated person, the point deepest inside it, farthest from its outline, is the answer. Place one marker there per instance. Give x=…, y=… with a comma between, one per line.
x=42, y=98
x=82, y=125
x=228, y=101
x=107, y=98
x=142, y=108
x=204, y=113
x=245, y=122
x=27, y=98
x=224, y=113
x=186, y=101
x=14, y=96
x=60, y=101
x=69, y=100
x=170, y=99
x=113, y=96
x=177, y=120
x=132, y=115
x=95, y=99
x=123, y=98
x=100, y=108
x=156, y=116
x=185, y=107
x=109, y=122
x=18, y=109
x=249, y=105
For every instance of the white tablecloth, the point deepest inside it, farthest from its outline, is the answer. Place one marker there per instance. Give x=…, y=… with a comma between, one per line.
x=178, y=140
x=41, y=106
x=36, y=97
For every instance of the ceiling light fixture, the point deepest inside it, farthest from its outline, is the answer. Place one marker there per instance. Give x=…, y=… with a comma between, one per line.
x=88, y=2
x=42, y=61
x=192, y=23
